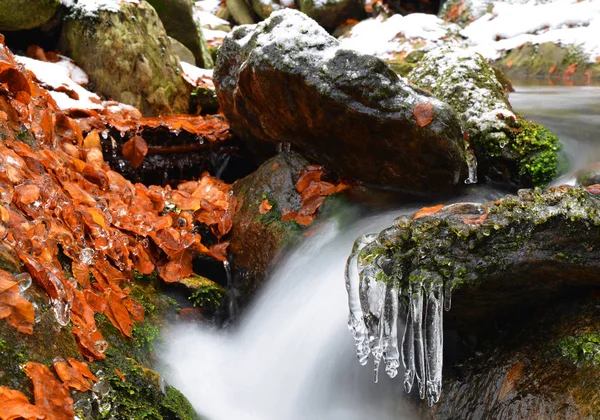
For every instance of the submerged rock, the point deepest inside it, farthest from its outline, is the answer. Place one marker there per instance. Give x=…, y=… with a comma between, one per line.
x=492, y=258
x=128, y=57
x=590, y=175
x=508, y=148
x=287, y=80
x=16, y=15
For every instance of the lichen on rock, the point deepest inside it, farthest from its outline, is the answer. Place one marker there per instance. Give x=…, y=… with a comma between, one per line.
x=508, y=148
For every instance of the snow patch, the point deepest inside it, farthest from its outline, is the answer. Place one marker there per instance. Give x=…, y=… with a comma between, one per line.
x=398, y=34
x=58, y=76
x=90, y=8
x=564, y=22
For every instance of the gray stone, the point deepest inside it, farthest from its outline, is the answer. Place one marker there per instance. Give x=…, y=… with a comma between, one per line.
x=287, y=80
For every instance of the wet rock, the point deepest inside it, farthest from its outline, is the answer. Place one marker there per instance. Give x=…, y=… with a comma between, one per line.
x=589, y=175
x=347, y=110
x=182, y=52
x=545, y=366
x=177, y=17
x=127, y=56
x=258, y=239
x=508, y=148
x=17, y=15
x=482, y=262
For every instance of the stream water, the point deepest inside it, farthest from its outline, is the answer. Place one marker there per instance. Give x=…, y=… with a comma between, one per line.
x=291, y=356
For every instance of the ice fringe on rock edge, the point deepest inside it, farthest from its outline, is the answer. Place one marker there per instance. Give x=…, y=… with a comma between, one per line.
x=372, y=283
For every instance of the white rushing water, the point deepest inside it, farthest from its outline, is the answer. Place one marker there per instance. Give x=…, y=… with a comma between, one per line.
x=292, y=356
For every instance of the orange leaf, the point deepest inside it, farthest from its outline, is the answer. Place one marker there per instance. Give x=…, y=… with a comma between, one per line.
x=14, y=405
x=428, y=211
x=510, y=63
x=118, y=314
x=475, y=220
x=552, y=68
x=135, y=150
x=75, y=374
x=178, y=268
x=50, y=395
x=120, y=375
x=305, y=180
x=511, y=380
x=17, y=310
x=423, y=113
x=288, y=215
x=265, y=207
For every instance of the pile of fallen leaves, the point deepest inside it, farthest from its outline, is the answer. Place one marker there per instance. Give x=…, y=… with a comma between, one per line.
x=58, y=196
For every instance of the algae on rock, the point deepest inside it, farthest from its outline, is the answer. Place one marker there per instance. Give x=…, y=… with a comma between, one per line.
x=17, y=15
x=508, y=148
x=128, y=57
x=491, y=257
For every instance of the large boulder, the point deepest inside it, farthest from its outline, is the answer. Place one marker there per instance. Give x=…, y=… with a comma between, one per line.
x=127, y=55
x=287, y=80
x=177, y=17
x=17, y=15
x=261, y=231
x=488, y=261
x=508, y=148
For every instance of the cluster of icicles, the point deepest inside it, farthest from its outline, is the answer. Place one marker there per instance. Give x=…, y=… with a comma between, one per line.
x=373, y=280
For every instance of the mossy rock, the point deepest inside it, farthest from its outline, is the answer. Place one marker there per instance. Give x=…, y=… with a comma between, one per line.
x=143, y=394
x=16, y=15
x=128, y=57
x=549, y=61
x=508, y=148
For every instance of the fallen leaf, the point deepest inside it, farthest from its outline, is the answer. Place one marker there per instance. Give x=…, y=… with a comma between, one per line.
x=75, y=375
x=552, y=69
x=50, y=395
x=423, y=113
x=427, y=211
x=17, y=310
x=510, y=63
x=511, y=380
x=92, y=140
x=135, y=150
x=15, y=405
x=265, y=207
x=118, y=314
x=120, y=375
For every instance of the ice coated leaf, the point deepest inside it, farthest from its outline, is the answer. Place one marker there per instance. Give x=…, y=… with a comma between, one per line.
x=15, y=405
x=18, y=311
x=423, y=113
x=118, y=314
x=428, y=211
x=75, y=374
x=135, y=150
x=50, y=395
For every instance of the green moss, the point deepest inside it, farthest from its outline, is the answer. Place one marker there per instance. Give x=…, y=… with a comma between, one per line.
x=206, y=293
x=537, y=148
x=582, y=349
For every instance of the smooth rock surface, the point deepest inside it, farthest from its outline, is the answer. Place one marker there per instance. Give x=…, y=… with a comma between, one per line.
x=128, y=57
x=287, y=80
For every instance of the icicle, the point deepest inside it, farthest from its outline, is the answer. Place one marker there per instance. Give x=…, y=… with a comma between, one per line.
x=356, y=322
x=377, y=339
x=389, y=325
x=447, y=295
x=416, y=309
x=408, y=353
x=434, y=336
x=472, y=165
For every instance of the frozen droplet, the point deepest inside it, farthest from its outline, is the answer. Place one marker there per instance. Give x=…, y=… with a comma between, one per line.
x=86, y=256
x=83, y=407
x=58, y=359
x=102, y=388
x=24, y=280
x=472, y=167
x=101, y=346
x=61, y=310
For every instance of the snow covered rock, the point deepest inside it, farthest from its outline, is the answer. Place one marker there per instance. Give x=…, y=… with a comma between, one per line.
x=508, y=149
x=287, y=80
x=127, y=55
x=25, y=14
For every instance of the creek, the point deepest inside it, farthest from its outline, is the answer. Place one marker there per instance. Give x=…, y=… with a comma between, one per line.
x=290, y=356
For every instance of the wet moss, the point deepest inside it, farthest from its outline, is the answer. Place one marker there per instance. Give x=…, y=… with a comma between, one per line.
x=537, y=146
x=581, y=350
